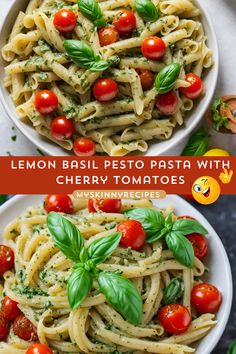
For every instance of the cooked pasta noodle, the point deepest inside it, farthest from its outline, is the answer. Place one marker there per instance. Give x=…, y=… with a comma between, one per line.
x=38, y=285
x=35, y=59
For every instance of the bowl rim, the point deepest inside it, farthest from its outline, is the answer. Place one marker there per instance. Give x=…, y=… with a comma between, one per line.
x=158, y=151
x=212, y=337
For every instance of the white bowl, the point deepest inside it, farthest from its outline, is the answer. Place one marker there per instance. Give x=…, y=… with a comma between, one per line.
x=217, y=260
x=173, y=146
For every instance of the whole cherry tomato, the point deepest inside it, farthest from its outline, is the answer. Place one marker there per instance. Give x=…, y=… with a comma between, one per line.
x=24, y=329
x=153, y=48
x=65, y=20
x=167, y=103
x=46, y=102
x=125, y=22
x=206, y=298
x=6, y=259
x=4, y=327
x=146, y=77
x=195, y=89
x=133, y=234
x=105, y=205
x=60, y=203
x=38, y=348
x=108, y=35
x=62, y=128
x=10, y=309
x=105, y=89
x=200, y=245
x=84, y=147
x=174, y=318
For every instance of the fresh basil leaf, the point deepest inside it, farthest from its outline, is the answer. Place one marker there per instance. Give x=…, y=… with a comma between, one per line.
x=122, y=295
x=146, y=10
x=65, y=235
x=78, y=287
x=158, y=235
x=102, y=248
x=188, y=226
x=232, y=348
x=169, y=222
x=197, y=144
x=173, y=291
x=99, y=66
x=181, y=248
x=166, y=78
x=151, y=220
x=92, y=11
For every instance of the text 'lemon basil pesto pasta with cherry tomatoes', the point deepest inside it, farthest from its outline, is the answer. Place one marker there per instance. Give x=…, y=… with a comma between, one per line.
x=104, y=276
x=121, y=74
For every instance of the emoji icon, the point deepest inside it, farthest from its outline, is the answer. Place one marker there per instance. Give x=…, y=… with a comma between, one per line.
x=226, y=176
x=206, y=190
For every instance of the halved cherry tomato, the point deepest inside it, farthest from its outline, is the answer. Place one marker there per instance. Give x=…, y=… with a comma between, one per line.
x=133, y=234
x=108, y=35
x=65, y=20
x=105, y=205
x=10, y=309
x=147, y=78
x=174, y=318
x=125, y=22
x=195, y=89
x=46, y=102
x=186, y=217
x=60, y=203
x=206, y=298
x=153, y=48
x=62, y=128
x=38, y=348
x=4, y=327
x=105, y=89
x=167, y=103
x=6, y=259
x=84, y=147
x=200, y=245
x=24, y=329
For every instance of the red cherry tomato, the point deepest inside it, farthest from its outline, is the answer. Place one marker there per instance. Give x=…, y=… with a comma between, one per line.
x=84, y=147
x=108, y=35
x=46, y=102
x=4, y=327
x=6, y=259
x=38, y=348
x=195, y=89
x=147, y=78
x=24, y=329
x=105, y=205
x=65, y=20
x=167, y=103
x=10, y=309
x=153, y=48
x=206, y=298
x=186, y=217
x=174, y=318
x=105, y=89
x=133, y=234
x=125, y=22
x=62, y=128
x=60, y=203
x=200, y=245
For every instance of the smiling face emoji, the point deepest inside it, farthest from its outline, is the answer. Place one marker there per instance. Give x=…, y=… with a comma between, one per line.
x=206, y=190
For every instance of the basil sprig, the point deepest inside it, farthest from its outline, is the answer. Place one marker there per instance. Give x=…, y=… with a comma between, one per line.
x=173, y=292
x=197, y=144
x=219, y=120
x=232, y=348
x=146, y=10
x=174, y=232
x=83, y=56
x=92, y=11
x=119, y=292
x=166, y=78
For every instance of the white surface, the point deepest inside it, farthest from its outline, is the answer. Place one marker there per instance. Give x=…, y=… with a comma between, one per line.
x=177, y=140
x=220, y=273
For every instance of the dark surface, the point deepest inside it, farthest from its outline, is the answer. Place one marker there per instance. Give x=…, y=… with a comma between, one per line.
x=222, y=216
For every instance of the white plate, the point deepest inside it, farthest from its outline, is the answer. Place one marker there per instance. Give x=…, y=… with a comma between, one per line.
x=173, y=146
x=217, y=260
